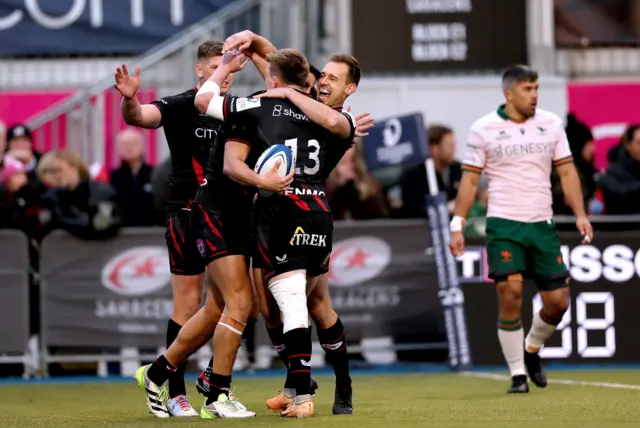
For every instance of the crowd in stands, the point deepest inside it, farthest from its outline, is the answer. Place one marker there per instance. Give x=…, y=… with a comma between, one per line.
x=57, y=190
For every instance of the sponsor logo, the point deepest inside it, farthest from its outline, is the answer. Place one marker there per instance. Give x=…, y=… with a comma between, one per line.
x=202, y=249
x=305, y=363
x=278, y=110
x=282, y=259
x=503, y=135
x=332, y=346
x=300, y=237
x=393, y=150
x=209, y=134
x=247, y=103
x=357, y=260
x=137, y=271
x=303, y=192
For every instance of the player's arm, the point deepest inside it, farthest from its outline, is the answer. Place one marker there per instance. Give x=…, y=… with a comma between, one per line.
x=133, y=113
x=208, y=99
x=472, y=171
x=235, y=167
x=254, y=46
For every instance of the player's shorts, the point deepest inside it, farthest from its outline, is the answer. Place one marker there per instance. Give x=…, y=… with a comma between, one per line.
x=289, y=240
x=531, y=249
x=221, y=233
x=181, y=243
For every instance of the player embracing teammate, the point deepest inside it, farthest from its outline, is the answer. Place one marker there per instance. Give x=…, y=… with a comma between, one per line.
x=219, y=227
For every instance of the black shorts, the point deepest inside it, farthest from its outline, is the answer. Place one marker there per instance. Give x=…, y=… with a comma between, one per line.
x=220, y=233
x=289, y=240
x=181, y=242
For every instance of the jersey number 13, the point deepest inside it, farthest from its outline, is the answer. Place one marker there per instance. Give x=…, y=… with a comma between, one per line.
x=309, y=164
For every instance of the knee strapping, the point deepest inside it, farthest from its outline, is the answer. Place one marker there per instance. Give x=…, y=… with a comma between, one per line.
x=290, y=294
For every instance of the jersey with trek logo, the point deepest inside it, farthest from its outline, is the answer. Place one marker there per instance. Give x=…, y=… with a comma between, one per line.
x=190, y=136
x=279, y=121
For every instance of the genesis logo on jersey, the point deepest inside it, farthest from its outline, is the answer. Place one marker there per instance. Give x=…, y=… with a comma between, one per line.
x=300, y=237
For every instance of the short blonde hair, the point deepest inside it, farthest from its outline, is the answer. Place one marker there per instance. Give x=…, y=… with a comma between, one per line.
x=73, y=159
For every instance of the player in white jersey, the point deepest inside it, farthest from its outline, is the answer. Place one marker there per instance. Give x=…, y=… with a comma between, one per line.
x=516, y=147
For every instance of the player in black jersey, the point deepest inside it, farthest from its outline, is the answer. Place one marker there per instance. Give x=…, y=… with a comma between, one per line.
x=337, y=81
x=190, y=136
x=294, y=229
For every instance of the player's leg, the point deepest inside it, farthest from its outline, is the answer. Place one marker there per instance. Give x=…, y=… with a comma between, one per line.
x=334, y=342
x=507, y=262
x=186, y=281
x=551, y=278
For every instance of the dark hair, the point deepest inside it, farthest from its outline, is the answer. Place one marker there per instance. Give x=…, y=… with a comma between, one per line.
x=436, y=133
x=518, y=73
x=209, y=49
x=291, y=66
x=352, y=63
x=627, y=137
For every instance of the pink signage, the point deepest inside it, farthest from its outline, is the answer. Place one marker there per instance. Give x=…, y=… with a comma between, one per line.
x=607, y=108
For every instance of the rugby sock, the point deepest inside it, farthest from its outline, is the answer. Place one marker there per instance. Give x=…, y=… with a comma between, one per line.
x=218, y=384
x=542, y=328
x=277, y=339
x=334, y=343
x=511, y=337
x=176, y=381
x=161, y=370
x=298, y=343
x=209, y=370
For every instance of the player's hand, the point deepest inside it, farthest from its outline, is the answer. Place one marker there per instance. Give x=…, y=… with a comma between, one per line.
x=456, y=244
x=240, y=41
x=234, y=60
x=586, y=230
x=275, y=182
x=126, y=84
x=281, y=93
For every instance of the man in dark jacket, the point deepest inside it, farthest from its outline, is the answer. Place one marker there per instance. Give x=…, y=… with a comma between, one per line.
x=132, y=181
x=621, y=182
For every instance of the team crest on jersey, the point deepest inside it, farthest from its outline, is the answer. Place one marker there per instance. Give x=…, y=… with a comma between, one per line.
x=247, y=103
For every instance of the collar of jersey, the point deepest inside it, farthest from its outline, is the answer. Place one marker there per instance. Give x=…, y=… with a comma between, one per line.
x=505, y=116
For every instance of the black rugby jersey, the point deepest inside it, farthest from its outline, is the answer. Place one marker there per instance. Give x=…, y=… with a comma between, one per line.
x=190, y=136
x=279, y=121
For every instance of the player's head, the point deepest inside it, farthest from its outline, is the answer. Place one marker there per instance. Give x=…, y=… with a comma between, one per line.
x=288, y=68
x=442, y=143
x=520, y=87
x=340, y=78
x=209, y=58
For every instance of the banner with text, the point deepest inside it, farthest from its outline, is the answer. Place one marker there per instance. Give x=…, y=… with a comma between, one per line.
x=14, y=291
x=600, y=325
x=404, y=36
x=116, y=293
x=121, y=27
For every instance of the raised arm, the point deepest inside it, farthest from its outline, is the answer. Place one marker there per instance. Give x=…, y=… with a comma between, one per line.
x=254, y=46
x=134, y=113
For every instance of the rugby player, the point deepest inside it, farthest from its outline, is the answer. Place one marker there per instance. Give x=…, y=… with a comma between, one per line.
x=516, y=146
x=190, y=136
x=338, y=80
x=221, y=223
x=281, y=220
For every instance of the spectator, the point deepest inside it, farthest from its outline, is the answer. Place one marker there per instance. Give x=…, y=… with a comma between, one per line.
x=620, y=184
x=19, y=199
x=132, y=181
x=583, y=150
x=413, y=183
x=20, y=146
x=84, y=208
x=3, y=139
x=352, y=192
x=160, y=179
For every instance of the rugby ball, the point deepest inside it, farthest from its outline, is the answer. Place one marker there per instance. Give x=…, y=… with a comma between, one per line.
x=268, y=159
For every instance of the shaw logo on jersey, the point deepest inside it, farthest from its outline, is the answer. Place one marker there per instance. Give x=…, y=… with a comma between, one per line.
x=300, y=237
x=303, y=192
x=279, y=111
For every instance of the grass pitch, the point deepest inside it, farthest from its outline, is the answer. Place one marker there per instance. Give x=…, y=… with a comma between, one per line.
x=420, y=400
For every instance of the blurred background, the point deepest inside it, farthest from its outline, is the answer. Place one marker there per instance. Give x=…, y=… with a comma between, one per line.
x=83, y=271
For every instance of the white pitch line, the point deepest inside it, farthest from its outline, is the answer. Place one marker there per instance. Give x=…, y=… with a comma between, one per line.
x=495, y=376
